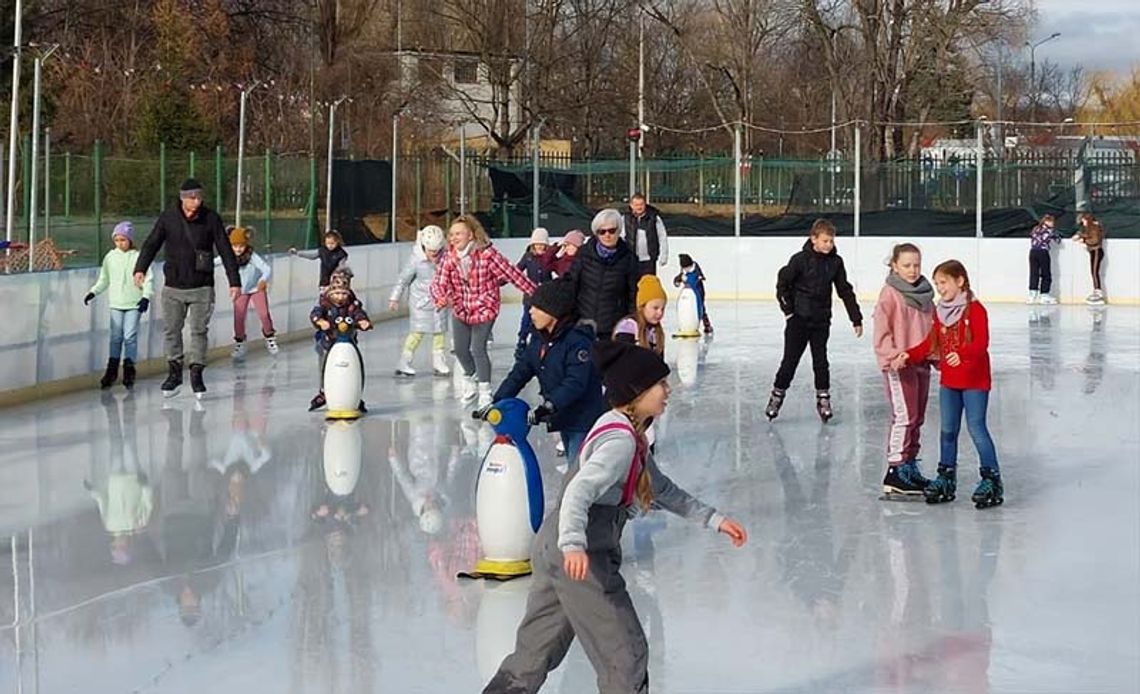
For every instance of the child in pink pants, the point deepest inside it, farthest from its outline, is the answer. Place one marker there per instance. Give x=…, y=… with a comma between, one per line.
x=255, y=274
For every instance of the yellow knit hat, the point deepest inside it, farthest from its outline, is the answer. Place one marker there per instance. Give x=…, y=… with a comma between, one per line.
x=648, y=289
x=239, y=235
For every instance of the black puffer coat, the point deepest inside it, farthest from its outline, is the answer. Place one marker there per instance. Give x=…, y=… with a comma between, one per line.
x=606, y=287
x=803, y=286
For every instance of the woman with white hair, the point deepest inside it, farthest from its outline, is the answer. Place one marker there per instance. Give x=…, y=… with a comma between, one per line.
x=604, y=275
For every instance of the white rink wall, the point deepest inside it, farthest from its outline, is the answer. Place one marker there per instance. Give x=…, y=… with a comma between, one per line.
x=50, y=335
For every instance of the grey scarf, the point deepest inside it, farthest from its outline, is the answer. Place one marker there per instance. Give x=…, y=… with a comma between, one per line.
x=950, y=312
x=919, y=295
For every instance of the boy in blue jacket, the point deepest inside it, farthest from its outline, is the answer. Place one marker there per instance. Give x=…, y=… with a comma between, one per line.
x=558, y=354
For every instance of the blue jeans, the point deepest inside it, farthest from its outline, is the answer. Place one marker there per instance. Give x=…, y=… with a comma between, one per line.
x=572, y=442
x=975, y=403
x=525, y=326
x=125, y=334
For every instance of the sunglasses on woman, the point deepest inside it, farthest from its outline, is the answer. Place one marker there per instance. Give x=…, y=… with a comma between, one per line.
x=606, y=232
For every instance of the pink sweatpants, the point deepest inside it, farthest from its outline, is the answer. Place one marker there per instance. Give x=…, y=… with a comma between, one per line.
x=260, y=301
x=907, y=392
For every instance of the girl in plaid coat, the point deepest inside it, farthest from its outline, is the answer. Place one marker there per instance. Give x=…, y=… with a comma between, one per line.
x=468, y=281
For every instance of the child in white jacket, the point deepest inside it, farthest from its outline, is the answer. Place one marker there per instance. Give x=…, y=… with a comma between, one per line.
x=423, y=316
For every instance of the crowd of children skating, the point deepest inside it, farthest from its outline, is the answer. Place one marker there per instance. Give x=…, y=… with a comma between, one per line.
x=591, y=335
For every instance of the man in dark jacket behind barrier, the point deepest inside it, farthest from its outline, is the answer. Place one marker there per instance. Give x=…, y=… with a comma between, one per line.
x=645, y=234
x=190, y=232
x=605, y=275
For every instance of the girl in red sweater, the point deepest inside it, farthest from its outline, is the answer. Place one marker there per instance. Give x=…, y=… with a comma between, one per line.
x=960, y=341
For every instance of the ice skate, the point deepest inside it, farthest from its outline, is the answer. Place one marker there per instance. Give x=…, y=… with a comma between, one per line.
x=943, y=488
x=1048, y=300
x=823, y=406
x=484, y=395
x=196, y=382
x=271, y=345
x=128, y=374
x=110, y=375
x=317, y=402
x=173, y=379
x=470, y=390
x=559, y=449
x=238, y=351
x=1096, y=298
x=404, y=367
x=439, y=364
x=1032, y=298
x=990, y=491
x=775, y=402
x=904, y=483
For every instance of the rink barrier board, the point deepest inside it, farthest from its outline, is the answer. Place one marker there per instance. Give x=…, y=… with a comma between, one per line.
x=53, y=344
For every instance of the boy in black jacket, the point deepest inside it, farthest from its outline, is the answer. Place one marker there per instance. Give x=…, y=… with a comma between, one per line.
x=803, y=289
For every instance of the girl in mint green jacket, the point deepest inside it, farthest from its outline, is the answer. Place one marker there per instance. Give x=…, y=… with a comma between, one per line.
x=128, y=303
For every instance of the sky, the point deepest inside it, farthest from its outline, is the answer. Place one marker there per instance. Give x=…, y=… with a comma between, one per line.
x=1098, y=34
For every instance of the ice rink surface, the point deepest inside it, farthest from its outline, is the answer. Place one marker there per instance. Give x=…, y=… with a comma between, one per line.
x=237, y=584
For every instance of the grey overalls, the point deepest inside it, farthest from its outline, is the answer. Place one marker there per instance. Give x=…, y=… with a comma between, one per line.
x=597, y=610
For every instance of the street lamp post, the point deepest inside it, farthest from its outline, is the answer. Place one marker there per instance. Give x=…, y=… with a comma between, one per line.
x=245, y=92
x=14, y=123
x=37, y=83
x=329, y=177
x=1033, y=70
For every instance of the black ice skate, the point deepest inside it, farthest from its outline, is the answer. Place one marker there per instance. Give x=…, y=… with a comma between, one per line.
x=904, y=483
x=943, y=488
x=775, y=402
x=196, y=382
x=317, y=402
x=823, y=406
x=989, y=491
x=173, y=379
x=128, y=374
x=110, y=375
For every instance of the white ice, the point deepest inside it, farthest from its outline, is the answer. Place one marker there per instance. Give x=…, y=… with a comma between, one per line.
x=836, y=591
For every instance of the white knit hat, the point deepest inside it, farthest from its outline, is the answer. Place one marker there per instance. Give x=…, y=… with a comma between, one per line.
x=540, y=235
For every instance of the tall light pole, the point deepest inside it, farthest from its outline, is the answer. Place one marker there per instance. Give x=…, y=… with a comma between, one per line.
x=641, y=79
x=329, y=176
x=37, y=83
x=245, y=92
x=14, y=122
x=1033, y=70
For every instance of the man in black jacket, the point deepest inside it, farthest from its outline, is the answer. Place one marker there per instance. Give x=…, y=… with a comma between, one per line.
x=645, y=234
x=191, y=232
x=605, y=275
x=803, y=288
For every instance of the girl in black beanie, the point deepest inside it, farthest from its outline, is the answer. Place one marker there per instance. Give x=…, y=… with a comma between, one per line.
x=578, y=589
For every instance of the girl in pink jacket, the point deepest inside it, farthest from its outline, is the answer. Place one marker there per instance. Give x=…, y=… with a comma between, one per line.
x=903, y=317
x=468, y=281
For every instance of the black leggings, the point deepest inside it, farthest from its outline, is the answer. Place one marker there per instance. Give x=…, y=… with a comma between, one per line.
x=1040, y=270
x=1096, y=259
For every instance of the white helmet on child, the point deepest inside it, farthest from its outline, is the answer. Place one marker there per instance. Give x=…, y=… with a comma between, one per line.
x=431, y=238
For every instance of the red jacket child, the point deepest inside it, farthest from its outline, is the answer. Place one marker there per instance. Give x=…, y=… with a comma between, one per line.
x=473, y=295
x=970, y=338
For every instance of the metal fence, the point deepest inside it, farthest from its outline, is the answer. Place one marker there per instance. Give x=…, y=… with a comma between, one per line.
x=283, y=195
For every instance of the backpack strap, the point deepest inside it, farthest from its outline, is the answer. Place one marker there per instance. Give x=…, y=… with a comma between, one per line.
x=636, y=465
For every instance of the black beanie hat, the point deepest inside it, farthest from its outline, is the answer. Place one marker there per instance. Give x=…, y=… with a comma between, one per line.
x=627, y=370
x=190, y=185
x=556, y=298
x=686, y=260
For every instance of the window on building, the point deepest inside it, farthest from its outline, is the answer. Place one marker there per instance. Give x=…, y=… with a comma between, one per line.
x=466, y=71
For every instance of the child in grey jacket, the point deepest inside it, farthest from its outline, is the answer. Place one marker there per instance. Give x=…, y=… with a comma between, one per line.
x=578, y=589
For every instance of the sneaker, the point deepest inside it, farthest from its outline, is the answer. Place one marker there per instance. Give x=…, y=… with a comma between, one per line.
x=173, y=379
x=196, y=382
x=271, y=344
x=904, y=482
x=238, y=351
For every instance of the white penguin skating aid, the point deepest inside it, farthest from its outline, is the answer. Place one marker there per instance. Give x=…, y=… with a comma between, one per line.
x=344, y=374
x=508, y=496
x=688, y=314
